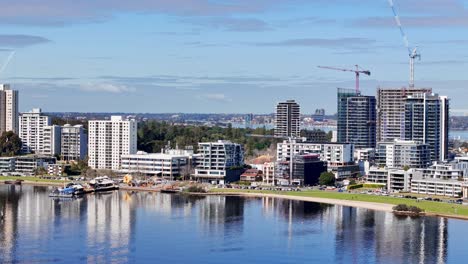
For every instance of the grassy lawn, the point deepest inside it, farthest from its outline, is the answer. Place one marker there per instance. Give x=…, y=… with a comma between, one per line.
x=28, y=178
x=428, y=206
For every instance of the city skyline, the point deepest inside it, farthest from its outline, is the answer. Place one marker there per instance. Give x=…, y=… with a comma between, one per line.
x=204, y=56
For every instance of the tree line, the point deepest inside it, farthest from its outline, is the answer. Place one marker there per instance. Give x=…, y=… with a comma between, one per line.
x=154, y=136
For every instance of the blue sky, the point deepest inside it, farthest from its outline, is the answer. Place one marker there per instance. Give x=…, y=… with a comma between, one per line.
x=224, y=55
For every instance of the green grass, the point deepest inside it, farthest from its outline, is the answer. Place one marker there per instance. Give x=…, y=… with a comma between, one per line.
x=28, y=178
x=427, y=206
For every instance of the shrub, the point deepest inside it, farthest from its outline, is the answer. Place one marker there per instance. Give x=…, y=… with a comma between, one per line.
x=356, y=186
x=196, y=189
x=401, y=208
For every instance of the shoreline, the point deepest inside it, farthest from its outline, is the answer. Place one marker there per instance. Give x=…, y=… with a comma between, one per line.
x=383, y=207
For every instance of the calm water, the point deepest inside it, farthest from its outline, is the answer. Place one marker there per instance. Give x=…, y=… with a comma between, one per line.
x=123, y=227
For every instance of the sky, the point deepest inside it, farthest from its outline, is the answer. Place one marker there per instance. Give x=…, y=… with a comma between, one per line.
x=224, y=56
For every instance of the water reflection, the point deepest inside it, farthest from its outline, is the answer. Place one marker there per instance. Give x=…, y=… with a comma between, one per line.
x=122, y=227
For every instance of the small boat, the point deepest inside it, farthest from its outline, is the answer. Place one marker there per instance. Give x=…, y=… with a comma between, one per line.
x=105, y=185
x=97, y=180
x=79, y=189
x=17, y=182
x=63, y=192
x=70, y=190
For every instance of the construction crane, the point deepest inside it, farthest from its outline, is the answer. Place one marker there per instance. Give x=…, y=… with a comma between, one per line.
x=412, y=52
x=357, y=71
x=7, y=61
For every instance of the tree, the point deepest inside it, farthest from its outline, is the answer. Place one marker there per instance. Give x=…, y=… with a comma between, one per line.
x=327, y=178
x=10, y=144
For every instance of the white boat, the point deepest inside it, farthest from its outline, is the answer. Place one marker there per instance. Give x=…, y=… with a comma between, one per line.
x=97, y=180
x=104, y=185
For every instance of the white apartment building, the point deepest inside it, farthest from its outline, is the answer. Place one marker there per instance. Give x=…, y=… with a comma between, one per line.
x=8, y=109
x=401, y=153
x=74, y=143
x=108, y=140
x=438, y=179
x=31, y=129
x=51, y=140
x=169, y=165
x=394, y=179
x=339, y=156
x=219, y=162
x=329, y=152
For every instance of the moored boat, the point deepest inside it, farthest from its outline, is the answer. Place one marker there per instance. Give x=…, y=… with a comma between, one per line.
x=104, y=185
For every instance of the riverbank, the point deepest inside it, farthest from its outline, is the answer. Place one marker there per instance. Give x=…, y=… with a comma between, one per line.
x=372, y=202
x=32, y=180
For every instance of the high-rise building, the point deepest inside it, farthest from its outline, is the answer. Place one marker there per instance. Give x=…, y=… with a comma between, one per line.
x=51, y=136
x=288, y=119
x=74, y=143
x=31, y=130
x=108, y=140
x=8, y=109
x=356, y=119
x=219, y=162
x=426, y=121
x=248, y=120
x=391, y=111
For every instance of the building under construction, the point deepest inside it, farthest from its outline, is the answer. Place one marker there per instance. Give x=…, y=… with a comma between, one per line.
x=391, y=111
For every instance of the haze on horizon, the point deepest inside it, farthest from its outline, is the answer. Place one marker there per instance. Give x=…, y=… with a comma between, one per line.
x=223, y=56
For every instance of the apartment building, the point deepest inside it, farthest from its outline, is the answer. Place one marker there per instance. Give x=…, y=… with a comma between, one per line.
x=31, y=130
x=287, y=117
x=51, y=138
x=108, y=140
x=391, y=111
x=74, y=143
x=9, y=114
x=219, y=162
x=356, y=119
x=401, y=153
x=169, y=165
x=427, y=121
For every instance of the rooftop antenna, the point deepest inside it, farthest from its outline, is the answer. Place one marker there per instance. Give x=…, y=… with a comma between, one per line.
x=5, y=64
x=412, y=52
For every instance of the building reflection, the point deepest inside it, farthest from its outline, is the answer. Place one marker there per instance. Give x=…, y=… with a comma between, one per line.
x=385, y=238
x=222, y=214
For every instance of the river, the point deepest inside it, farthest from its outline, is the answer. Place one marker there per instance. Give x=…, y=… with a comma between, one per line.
x=126, y=227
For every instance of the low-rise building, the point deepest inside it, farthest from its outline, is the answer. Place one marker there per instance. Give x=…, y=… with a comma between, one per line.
x=307, y=169
x=378, y=175
x=7, y=164
x=219, y=162
x=438, y=179
x=400, y=153
x=399, y=180
x=269, y=173
x=28, y=165
x=251, y=175
x=169, y=165
x=338, y=156
x=56, y=169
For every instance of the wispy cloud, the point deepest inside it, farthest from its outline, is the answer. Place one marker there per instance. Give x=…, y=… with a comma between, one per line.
x=215, y=97
x=18, y=41
x=106, y=87
x=320, y=42
x=232, y=23
x=62, y=12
